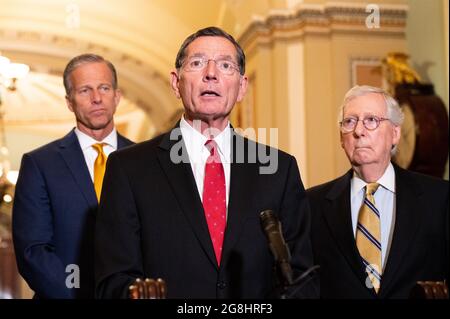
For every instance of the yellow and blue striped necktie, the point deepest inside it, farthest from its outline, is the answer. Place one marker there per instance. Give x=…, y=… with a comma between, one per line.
x=368, y=237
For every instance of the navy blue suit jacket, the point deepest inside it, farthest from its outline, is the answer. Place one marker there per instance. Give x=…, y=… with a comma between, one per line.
x=54, y=218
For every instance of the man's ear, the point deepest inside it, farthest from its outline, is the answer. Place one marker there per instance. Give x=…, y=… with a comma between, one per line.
x=243, y=84
x=175, y=81
x=69, y=103
x=396, y=134
x=117, y=96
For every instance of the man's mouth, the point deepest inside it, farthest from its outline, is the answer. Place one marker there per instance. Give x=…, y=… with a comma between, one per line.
x=98, y=111
x=209, y=93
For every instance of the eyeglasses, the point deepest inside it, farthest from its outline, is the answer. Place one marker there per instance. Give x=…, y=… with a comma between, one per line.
x=370, y=122
x=195, y=64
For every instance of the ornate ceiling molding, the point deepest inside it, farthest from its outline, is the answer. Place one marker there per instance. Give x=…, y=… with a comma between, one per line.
x=322, y=19
x=48, y=53
x=64, y=46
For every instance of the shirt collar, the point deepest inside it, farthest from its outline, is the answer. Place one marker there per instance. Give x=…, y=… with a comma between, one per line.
x=387, y=181
x=197, y=141
x=87, y=141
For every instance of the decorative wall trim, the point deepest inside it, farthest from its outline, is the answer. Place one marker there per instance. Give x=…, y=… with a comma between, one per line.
x=322, y=19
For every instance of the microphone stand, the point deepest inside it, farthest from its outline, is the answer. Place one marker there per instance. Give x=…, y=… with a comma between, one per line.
x=288, y=289
x=280, y=250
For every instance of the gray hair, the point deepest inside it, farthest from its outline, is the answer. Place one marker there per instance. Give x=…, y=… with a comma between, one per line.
x=394, y=112
x=84, y=59
x=211, y=32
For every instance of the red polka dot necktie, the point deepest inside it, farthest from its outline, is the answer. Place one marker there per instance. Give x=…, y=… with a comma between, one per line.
x=214, y=198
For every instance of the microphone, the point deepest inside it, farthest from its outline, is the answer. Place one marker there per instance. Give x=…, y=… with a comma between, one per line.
x=272, y=229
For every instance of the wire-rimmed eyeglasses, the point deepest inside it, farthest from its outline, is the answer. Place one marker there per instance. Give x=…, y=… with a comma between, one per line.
x=197, y=63
x=370, y=122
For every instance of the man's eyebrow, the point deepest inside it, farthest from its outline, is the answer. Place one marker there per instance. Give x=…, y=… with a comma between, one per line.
x=220, y=57
x=85, y=86
x=197, y=55
x=226, y=57
x=364, y=115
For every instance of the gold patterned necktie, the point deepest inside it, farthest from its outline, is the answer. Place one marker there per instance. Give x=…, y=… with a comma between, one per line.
x=99, y=168
x=368, y=237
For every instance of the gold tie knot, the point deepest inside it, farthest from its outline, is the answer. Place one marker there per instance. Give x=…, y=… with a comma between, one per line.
x=98, y=147
x=371, y=188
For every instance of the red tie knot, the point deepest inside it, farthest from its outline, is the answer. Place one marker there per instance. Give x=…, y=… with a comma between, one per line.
x=211, y=145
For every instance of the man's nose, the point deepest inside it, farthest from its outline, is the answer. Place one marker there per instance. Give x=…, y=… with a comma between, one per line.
x=210, y=71
x=359, y=128
x=96, y=96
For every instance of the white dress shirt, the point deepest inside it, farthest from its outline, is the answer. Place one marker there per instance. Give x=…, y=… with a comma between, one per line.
x=90, y=154
x=384, y=202
x=198, y=153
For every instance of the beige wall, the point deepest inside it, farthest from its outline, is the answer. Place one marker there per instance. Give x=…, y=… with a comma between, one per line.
x=302, y=69
x=319, y=91
x=344, y=48
x=328, y=78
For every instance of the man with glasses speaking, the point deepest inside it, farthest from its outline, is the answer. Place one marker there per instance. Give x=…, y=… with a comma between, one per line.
x=378, y=229
x=185, y=205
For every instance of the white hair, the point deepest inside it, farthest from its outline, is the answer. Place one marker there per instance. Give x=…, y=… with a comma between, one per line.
x=394, y=112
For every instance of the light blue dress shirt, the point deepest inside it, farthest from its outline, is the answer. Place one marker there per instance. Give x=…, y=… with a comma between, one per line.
x=385, y=203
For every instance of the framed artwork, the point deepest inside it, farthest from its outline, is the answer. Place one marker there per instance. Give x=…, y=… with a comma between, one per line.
x=367, y=71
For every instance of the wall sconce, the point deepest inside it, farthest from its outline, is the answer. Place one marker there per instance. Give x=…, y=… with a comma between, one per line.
x=11, y=72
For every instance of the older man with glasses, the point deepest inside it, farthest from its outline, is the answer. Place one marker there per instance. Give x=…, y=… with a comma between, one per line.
x=378, y=229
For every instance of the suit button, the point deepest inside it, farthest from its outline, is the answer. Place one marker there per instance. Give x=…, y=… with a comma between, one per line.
x=221, y=285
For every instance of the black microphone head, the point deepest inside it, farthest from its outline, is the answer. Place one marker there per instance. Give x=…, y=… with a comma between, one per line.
x=268, y=219
x=272, y=229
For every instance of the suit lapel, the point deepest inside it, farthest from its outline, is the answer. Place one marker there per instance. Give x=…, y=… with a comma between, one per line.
x=72, y=154
x=407, y=221
x=122, y=141
x=337, y=214
x=242, y=179
x=181, y=179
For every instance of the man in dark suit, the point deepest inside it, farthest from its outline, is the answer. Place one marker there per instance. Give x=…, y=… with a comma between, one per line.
x=185, y=205
x=379, y=228
x=59, y=184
